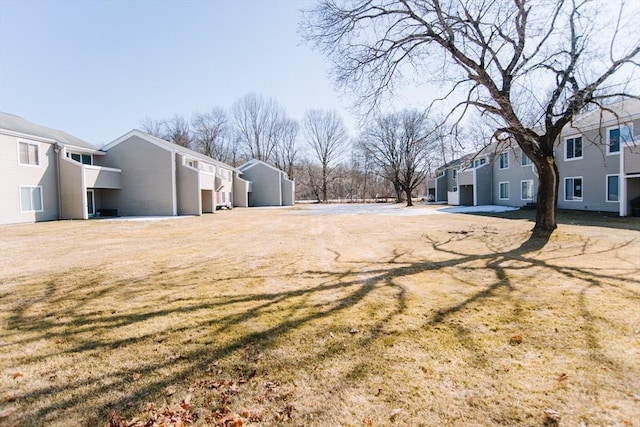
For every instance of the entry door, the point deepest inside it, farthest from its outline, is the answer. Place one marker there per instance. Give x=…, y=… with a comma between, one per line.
x=91, y=205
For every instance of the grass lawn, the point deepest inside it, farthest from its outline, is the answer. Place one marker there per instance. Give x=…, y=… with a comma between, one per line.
x=278, y=317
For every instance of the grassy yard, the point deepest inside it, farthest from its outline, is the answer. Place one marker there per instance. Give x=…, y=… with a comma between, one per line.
x=280, y=317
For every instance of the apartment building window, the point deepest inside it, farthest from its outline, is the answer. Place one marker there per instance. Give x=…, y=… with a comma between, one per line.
x=454, y=173
x=479, y=162
x=504, y=160
x=526, y=189
x=525, y=160
x=85, y=159
x=573, y=189
x=504, y=191
x=613, y=188
x=28, y=154
x=617, y=135
x=30, y=199
x=573, y=148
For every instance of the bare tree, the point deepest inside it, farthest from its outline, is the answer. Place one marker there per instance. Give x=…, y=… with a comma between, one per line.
x=286, y=149
x=211, y=134
x=401, y=145
x=258, y=125
x=529, y=66
x=326, y=134
x=153, y=127
x=177, y=130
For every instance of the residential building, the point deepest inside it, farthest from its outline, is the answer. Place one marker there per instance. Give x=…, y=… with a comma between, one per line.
x=269, y=186
x=47, y=174
x=161, y=178
x=598, y=159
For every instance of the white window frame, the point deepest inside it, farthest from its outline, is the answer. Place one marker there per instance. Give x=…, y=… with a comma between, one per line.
x=581, y=188
x=508, y=187
x=525, y=160
x=573, y=139
x=70, y=155
x=37, y=145
x=530, y=181
x=621, y=141
x=479, y=162
x=32, y=187
x=606, y=187
x=505, y=164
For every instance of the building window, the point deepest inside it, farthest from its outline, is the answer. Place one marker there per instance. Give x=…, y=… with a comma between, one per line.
x=504, y=160
x=525, y=160
x=30, y=199
x=526, y=189
x=573, y=189
x=479, y=162
x=85, y=159
x=613, y=188
x=573, y=148
x=454, y=174
x=28, y=154
x=504, y=191
x=617, y=135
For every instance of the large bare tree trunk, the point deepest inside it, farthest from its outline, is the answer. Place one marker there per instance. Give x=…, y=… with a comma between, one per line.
x=546, y=220
x=408, y=193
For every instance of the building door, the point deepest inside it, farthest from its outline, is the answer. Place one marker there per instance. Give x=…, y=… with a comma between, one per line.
x=91, y=205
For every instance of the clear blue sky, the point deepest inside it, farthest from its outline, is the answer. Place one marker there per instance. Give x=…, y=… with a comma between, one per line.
x=96, y=68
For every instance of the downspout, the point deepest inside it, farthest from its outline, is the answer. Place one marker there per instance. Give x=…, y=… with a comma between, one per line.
x=56, y=150
x=622, y=182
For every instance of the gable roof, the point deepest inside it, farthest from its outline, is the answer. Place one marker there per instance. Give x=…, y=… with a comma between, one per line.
x=23, y=126
x=255, y=162
x=457, y=162
x=608, y=115
x=167, y=145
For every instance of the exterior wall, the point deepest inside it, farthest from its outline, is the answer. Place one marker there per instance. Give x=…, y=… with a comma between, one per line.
x=441, y=188
x=632, y=159
x=514, y=175
x=593, y=168
x=483, y=186
x=13, y=175
x=188, y=188
x=266, y=185
x=226, y=187
x=241, y=190
x=288, y=192
x=72, y=190
x=97, y=177
x=147, y=179
x=208, y=204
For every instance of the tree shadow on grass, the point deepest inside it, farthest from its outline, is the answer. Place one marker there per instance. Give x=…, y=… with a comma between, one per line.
x=202, y=329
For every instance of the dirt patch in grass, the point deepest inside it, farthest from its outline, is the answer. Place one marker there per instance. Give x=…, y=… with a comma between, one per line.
x=265, y=317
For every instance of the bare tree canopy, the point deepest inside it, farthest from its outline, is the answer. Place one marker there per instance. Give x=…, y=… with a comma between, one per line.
x=528, y=66
x=401, y=145
x=286, y=150
x=326, y=134
x=258, y=125
x=211, y=134
x=177, y=130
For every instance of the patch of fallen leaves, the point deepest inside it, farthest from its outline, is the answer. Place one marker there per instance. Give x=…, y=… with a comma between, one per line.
x=175, y=416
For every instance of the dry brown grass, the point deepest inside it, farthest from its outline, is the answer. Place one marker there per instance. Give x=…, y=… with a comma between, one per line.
x=273, y=318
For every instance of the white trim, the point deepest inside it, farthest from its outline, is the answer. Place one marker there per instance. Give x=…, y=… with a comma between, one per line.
x=621, y=142
x=532, y=189
x=564, y=181
x=564, y=146
x=174, y=190
x=606, y=188
x=508, y=161
x=37, y=144
x=102, y=168
x=22, y=210
x=524, y=156
x=508, y=190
